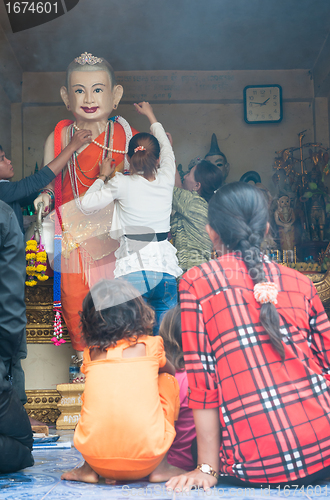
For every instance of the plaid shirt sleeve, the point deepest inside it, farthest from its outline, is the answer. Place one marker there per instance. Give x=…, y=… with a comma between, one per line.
x=198, y=355
x=319, y=338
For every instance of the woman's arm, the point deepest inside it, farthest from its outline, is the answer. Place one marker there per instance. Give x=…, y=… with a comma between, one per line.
x=101, y=193
x=57, y=164
x=167, y=159
x=79, y=139
x=167, y=368
x=16, y=191
x=207, y=425
x=98, y=196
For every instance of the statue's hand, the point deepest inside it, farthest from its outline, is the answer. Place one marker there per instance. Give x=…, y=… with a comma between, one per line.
x=46, y=199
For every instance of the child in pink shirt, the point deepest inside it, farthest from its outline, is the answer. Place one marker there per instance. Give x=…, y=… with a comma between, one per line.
x=183, y=452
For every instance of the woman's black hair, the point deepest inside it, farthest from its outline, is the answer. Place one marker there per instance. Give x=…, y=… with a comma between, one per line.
x=210, y=178
x=114, y=310
x=170, y=331
x=145, y=160
x=238, y=213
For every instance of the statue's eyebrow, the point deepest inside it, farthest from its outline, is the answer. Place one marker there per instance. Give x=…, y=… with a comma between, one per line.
x=78, y=85
x=98, y=84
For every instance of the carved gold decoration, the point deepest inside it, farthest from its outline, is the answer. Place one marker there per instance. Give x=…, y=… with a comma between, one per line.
x=41, y=294
x=69, y=405
x=40, y=314
x=323, y=289
x=42, y=405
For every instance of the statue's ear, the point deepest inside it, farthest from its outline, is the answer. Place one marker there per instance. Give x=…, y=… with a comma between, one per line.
x=117, y=94
x=65, y=96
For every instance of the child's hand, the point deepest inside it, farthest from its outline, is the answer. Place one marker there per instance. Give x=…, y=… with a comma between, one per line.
x=80, y=138
x=107, y=167
x=144, y=108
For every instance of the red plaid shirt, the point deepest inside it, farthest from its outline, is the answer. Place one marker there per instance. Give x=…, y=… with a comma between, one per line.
x=275, y=417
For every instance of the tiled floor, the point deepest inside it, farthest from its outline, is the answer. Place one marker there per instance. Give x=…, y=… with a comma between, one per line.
x=42, y=481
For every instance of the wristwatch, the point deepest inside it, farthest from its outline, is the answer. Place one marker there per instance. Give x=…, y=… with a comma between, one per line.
x=207, y=469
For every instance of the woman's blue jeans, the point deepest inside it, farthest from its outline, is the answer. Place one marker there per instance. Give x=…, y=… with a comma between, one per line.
x=159, y=290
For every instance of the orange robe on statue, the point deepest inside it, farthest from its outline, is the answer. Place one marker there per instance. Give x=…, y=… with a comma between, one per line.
x=86, y=257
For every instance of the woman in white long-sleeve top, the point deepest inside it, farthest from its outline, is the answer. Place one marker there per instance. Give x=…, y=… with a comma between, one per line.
x=141, y=220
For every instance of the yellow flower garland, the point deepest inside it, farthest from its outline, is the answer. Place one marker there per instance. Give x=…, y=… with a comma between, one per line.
x=36, y=258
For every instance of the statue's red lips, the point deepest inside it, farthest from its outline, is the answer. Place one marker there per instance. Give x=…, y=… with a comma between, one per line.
x=89, y=110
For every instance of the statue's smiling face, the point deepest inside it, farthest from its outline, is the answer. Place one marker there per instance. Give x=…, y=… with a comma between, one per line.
x=91, y=97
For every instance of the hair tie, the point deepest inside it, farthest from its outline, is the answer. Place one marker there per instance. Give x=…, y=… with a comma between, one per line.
x=140, y=148
x=265, y=292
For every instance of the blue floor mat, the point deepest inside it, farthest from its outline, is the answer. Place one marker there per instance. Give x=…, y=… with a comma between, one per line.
x=43, y=481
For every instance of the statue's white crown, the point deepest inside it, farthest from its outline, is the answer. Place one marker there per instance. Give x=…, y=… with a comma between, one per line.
x=86, y=58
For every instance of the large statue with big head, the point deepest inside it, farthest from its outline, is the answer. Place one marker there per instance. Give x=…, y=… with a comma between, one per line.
x=91, y=94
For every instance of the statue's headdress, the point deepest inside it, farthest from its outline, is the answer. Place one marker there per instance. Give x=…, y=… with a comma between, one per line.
x=87, y=58
x=215, y=150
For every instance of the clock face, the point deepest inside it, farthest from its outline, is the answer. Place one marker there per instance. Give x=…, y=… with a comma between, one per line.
x=263, y=104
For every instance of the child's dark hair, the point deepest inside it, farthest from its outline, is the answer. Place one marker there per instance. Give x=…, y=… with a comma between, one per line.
x=238, y=212
x=143, y=160
x=114, y=310
x=210, y=178
x=170, y=331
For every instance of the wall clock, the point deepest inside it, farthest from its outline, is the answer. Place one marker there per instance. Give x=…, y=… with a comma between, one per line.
x=263, y=104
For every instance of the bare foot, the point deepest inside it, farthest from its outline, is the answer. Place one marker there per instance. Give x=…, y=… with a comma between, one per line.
x=84, y=473
x=164, y=471
x=109, y=481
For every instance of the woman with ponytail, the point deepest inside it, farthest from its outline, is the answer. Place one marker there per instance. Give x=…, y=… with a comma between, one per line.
x=256, y=344
x=142, y=208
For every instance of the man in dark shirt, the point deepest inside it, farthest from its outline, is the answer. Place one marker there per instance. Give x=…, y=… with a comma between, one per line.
x=22, y=193
x=12, y=255
x=12, y=304
x=15, y=430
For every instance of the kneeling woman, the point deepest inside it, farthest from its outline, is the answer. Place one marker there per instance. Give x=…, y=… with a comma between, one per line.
x=257, y=350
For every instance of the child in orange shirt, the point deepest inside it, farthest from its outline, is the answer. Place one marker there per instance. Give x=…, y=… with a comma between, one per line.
x=131, y=397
